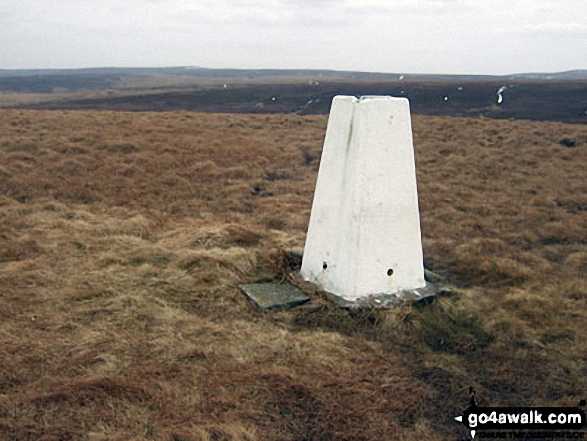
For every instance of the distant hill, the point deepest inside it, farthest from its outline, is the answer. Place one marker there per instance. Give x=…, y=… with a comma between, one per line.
x=207, y=72
x=258, y=73
x=568, y=75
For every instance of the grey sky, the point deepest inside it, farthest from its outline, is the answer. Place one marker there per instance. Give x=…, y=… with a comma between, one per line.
x=413, y=36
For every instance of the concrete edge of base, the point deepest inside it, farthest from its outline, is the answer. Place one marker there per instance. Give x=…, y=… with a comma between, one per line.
x=386, y=301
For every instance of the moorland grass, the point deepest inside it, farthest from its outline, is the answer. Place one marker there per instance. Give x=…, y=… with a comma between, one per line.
x=123, y=237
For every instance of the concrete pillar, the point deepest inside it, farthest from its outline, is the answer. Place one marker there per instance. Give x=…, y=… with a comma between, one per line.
x=364, y=235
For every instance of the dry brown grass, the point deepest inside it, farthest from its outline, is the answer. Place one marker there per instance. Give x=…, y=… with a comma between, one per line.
x=123, y=237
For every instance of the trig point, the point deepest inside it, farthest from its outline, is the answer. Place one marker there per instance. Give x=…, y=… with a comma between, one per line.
x=364, y=242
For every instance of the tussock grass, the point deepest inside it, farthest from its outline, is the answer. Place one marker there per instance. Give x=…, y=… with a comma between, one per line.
x=123, y=237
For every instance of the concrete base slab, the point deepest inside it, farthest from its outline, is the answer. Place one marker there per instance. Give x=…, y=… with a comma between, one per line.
x=274, y=296
x=387, y=301
x=384, y=301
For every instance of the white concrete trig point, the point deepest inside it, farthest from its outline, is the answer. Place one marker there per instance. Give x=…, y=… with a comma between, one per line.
x=364, y=242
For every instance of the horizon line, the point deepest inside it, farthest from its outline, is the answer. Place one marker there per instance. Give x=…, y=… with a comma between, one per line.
x=192, y=67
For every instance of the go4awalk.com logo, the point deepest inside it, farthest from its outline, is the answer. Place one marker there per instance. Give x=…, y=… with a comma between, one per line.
x=523, y=422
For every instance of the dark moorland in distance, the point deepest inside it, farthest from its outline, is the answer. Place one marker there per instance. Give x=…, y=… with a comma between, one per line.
x=541, y=97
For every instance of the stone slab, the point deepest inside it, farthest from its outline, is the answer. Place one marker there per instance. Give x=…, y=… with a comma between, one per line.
x=432, y=277
x=274, y=296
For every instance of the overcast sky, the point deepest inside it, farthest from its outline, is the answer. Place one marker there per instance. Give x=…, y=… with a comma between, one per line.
x=401, y=36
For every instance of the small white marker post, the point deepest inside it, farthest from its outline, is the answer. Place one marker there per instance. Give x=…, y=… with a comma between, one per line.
x=364, y=241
